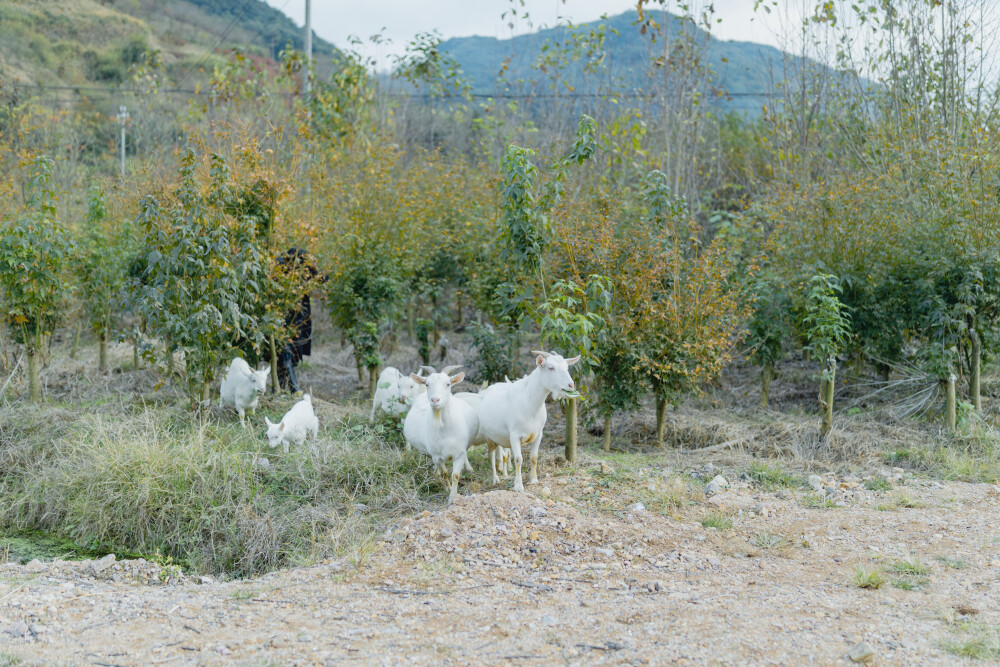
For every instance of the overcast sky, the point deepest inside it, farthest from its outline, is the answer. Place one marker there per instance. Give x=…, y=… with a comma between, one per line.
x=399, y=20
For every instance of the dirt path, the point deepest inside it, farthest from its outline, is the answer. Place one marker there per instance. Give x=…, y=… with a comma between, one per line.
x=531, y=579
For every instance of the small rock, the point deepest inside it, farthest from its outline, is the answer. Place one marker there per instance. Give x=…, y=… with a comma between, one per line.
x=721, y=481
x=534, y=536
x=762, y=510
x=549, y=620
x=861, y=653
x=360, y=507
x=545, y=492
x=305, y=639
x=712, y=488
x=222, y=649
x=262, y=462
x=100, y=565
x=707, y=469
x=19, y=629
x=34, y=566
x=38, y=629
x=606, y=469
x=536, y=512
x=653, y=586
x=445, y=532
x=604, y=551
x=815, y=482
x=206, y=579
x=636, y=507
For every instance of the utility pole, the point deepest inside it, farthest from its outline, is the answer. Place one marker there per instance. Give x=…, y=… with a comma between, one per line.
x=307, y=84
x=122, y=119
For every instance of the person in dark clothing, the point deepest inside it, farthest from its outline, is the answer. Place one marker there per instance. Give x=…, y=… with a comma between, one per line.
x=299, y=323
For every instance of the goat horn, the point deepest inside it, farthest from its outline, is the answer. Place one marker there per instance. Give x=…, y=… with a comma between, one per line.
x=428, y=369
x=545, y=355
x=449, y=369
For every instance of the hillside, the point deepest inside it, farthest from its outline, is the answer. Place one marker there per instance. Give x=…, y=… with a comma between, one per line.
x=746, y=71
x=81, y=42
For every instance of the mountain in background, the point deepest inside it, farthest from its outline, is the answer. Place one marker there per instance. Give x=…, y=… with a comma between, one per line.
x=748, y=73
x=78, y=42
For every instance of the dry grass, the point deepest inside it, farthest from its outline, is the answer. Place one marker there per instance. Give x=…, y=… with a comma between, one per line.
x=143, y=481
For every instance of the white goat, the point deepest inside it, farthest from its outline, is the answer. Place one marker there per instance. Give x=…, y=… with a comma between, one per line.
x=513, y=414
x=441, y=427
x=293, y=428
x=394, y=393
x=242, y=386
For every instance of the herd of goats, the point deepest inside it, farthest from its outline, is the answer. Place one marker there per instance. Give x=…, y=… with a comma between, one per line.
x=504, y=416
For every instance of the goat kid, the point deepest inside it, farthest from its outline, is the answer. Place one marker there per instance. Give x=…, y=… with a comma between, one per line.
x=394, y=393
x=298, y=423
x=242, y=386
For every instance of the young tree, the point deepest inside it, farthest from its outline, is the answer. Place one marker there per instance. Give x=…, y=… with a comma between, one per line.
x=572, y=320
x=826, y=325
x=33, y=265
x=101, y=266
x=768, y=330
x=204, y=267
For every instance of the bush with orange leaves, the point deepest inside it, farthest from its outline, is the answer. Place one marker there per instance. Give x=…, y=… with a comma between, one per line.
x=678, y=309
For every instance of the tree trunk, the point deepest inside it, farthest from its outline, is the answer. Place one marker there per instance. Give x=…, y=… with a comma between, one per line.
x=206, y=391
x=169, y=356
x=458, y=319
x=826, y=397
x=411, y=318
x=45, y=350
x=570, y=412
x=661, y=419
x=275, y=386
x=974, y=377
x=102, y=352
x=76, y=340
x=136, y=359
x=373, y=373
x=361, y=376
x=33, y=353
x=607, y=432
x=949, y=405
x=766, y=375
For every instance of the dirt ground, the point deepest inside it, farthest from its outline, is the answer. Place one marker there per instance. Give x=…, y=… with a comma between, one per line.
x=619, y=559
x=549, y=576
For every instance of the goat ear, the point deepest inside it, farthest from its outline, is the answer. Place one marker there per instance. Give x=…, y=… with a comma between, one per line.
x=539, y=360
x=281, y=426
x=416, y=378
x=458, y=378
x=267, y=370
x=570, y=362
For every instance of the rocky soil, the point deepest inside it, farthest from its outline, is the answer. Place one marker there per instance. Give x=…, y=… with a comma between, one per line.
x=591, y=566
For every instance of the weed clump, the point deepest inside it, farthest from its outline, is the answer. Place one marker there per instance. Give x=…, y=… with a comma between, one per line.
x=209, y=495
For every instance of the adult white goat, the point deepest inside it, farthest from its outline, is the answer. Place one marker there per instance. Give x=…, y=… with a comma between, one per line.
x=242, y=386
x=394, y=393
x=513, y=414
x=442, y=427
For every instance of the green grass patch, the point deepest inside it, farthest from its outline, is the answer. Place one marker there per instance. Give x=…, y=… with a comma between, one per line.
x=148, y=482
x=717, y=520
x=911, y=565
x=980, y=642
x=818, y=502
x=770, y=477
x=766, y=540
x=971, y=455
x=953, y=563
x=878, y=483
x=869, y=578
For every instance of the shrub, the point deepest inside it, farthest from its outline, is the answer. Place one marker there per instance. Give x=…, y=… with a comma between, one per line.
x=33, y=263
